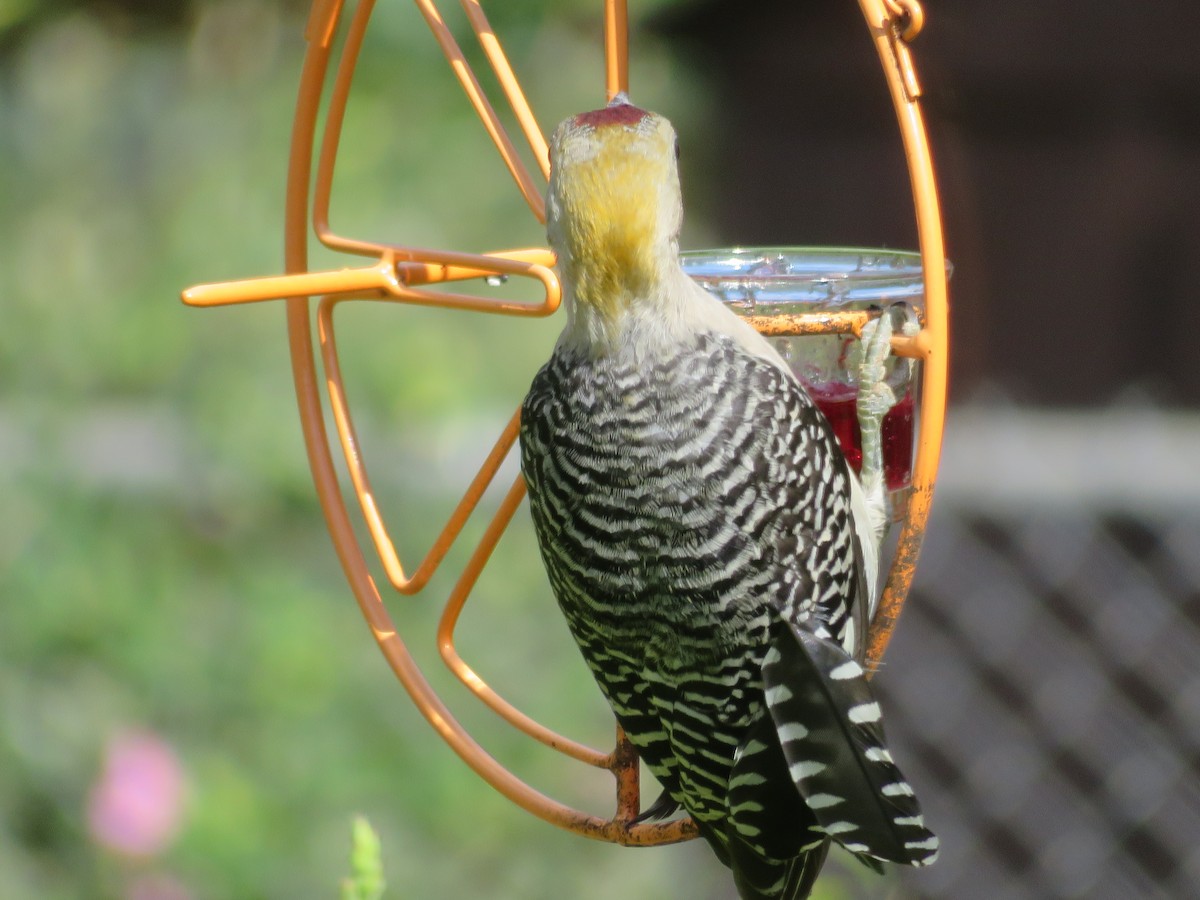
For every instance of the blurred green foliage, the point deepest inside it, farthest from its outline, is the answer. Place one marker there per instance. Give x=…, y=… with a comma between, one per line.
x=163, y=562
x=366, y=881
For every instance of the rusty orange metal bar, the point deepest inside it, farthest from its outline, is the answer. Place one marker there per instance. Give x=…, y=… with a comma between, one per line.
x=356, y=464
x=396, y=274
x=340, y=92
x=511, y=87
x=616, y=48
x=389, y=279
x=487, y=115
x=893, y=23
x=847, y=322
x=445, y=639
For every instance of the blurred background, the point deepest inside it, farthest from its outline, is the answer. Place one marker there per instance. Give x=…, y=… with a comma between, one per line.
x=190, y=706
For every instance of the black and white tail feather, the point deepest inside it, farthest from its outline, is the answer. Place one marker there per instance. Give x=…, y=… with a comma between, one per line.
x=822, y=732
x=831, y=733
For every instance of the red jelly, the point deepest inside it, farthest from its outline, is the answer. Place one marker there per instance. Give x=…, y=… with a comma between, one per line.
x=838, y=402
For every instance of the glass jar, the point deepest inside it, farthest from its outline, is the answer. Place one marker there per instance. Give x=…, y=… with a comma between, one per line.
x=774, y=281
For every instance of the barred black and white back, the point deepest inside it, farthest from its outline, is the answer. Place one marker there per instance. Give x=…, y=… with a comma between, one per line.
x=695, y=521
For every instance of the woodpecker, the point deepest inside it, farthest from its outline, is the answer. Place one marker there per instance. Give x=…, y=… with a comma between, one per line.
x=713, y=554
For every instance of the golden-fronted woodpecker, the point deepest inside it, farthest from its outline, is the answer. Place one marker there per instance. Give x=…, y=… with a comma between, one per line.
x=710, y=549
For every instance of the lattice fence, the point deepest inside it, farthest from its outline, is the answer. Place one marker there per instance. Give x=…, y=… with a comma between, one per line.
x=1044, y=693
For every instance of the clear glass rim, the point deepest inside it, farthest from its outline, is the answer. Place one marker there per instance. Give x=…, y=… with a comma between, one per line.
x=803, y=264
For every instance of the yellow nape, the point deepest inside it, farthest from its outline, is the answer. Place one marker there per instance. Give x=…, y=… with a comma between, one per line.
x=613, y=221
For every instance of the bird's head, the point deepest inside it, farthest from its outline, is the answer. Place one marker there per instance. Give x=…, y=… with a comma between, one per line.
x=613, y=208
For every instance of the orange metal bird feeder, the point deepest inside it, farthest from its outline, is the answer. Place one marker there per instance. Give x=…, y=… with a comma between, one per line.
x=399, y=273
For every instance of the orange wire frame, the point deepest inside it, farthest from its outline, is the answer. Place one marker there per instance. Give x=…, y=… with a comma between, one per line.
x=401, y=273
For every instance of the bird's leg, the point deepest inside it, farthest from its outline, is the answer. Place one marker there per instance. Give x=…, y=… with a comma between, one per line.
x=875, y=398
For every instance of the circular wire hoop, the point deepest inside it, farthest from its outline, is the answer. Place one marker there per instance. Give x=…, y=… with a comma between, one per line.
x=399, y=273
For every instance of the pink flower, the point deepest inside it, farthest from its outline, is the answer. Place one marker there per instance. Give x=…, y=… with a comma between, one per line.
x=135, y=808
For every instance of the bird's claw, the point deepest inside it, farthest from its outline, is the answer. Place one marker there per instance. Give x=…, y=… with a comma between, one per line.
x=875, y=397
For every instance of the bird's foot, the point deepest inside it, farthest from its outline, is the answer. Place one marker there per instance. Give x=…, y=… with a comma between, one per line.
x=869, y=362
